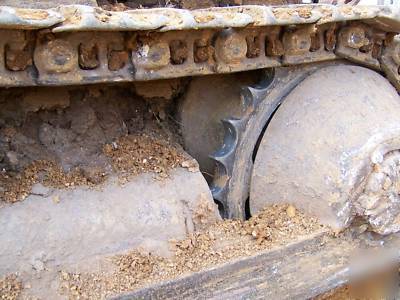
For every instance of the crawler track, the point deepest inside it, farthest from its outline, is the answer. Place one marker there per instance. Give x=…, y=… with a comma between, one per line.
x=82, y=44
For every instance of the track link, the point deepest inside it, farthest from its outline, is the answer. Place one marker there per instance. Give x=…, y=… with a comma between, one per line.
x=84, y=45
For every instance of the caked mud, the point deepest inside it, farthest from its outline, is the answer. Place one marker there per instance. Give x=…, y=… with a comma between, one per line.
x=73, y=137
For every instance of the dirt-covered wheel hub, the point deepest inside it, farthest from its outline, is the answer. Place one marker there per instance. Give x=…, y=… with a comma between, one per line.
x=380, y=199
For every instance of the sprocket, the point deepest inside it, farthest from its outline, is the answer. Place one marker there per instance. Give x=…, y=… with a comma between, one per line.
x=223, y=118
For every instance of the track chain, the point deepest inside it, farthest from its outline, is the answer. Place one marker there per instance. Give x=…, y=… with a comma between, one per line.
x=43, y=57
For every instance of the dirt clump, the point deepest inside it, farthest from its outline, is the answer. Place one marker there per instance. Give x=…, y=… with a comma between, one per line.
x=16, y=187
x=203, y=214
x=222, y=242
x=305, y=12
x=10, y=287
x=279, y=224
x=134, y=154
x=336, y=294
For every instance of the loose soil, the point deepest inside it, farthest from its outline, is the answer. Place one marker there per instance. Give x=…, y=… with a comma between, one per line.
x=129, y=156
x=69, y=137
x=135, y=154
x=18, y=186
x=222, y=242
x=10, y=287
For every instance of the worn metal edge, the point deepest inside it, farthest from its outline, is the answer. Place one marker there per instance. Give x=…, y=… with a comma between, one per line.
x=262, y=276
x=89, y=18
x=167, y=19
x=23, y=18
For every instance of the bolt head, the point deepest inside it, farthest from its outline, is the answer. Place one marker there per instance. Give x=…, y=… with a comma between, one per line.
x=354, y=37
x=56, y=56
x=231, y=46
x=153, y=56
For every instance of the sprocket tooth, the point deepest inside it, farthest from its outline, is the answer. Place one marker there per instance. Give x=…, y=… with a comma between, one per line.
x=252, y=96
x=225, y=154
x=219, y=186
x=247, y=98
x=267, y=79
x=232, y=127
x=218, y=193
x=224, y=159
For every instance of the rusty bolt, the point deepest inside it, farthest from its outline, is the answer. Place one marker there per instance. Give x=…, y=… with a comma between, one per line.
x=299, y=41
x=56, y=56
x=153, y=56
x=354, y=37
x=231, y=46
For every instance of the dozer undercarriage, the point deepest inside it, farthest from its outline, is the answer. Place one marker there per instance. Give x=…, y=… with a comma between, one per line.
x=266, y=137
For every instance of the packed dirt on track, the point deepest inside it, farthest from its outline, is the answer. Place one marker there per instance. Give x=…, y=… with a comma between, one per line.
x=222, y=242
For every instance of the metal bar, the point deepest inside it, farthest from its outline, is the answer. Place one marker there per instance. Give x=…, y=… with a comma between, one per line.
x=301, y=270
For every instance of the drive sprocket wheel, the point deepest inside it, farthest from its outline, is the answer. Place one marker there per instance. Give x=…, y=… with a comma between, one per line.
x=319, y=137
x=222, y=119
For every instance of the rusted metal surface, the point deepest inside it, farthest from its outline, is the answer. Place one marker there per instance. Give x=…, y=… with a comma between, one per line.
x=83, y=44
x=301, y=270
x=359, y=44
x=63, y=58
